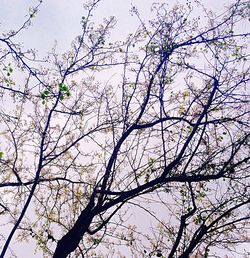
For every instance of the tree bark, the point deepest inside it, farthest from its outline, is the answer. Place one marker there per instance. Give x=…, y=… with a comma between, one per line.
x=69, y=242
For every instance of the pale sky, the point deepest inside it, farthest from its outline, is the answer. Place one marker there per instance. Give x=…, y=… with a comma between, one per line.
x=60, y=19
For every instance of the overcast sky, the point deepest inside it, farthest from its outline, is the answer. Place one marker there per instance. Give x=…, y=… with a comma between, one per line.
x=60, y=19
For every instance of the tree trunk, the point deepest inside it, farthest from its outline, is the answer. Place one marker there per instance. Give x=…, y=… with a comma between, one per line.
x=69, y=242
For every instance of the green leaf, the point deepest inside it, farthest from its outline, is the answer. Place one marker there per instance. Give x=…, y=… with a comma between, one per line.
x=96, y=241
x=1, y=154
x=43, y=96
x=63, y=87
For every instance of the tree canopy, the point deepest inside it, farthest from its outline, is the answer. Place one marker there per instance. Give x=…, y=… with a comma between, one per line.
x=133, y=148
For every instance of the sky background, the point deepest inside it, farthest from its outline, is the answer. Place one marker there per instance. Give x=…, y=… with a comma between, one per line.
x=59, y=20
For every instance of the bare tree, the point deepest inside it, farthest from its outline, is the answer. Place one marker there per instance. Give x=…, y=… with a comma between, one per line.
x=82, y=151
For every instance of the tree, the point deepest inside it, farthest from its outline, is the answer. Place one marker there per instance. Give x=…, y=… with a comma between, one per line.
x=168, y=138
